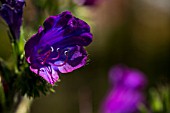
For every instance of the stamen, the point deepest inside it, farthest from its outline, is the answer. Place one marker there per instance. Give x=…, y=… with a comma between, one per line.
x=65, y=53
x=48, y=54
x=57, y=49
x=58, y=65
x=57, y=55
x=52, y=49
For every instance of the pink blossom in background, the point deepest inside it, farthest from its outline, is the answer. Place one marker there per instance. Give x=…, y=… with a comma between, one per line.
x=125, y=94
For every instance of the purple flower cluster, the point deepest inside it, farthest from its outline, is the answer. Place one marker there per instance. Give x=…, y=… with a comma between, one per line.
x=58, y=47
x=11, y=11
x=86, y=2
x=125, y=94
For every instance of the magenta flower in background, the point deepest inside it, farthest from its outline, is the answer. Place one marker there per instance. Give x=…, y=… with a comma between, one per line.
x=11, y=11
x=58, y=47
x=125, y=94
x=86, y=2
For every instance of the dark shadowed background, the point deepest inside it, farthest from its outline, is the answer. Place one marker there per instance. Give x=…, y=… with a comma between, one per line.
x=131, y=32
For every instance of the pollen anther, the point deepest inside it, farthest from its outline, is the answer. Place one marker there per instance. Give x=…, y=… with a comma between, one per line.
x=52, y=49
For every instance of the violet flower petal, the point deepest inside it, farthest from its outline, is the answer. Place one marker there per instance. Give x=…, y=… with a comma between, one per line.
x=77, y=58
x=67, y=30
x=48, y=74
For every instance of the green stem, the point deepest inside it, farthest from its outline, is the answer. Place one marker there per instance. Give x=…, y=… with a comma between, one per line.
x=15, y=56
x=24, y=105
x=2, y=95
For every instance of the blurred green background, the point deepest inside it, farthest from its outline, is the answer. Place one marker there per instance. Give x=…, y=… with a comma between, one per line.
x=132, y=32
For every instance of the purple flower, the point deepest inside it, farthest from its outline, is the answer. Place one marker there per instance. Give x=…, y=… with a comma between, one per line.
x=11, y=11
x=58, y=47
x=125, y=94
x=86, y=2
x=127, y=77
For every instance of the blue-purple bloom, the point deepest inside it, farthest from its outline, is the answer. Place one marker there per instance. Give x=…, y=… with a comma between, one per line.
x=125, y=94
x=11, y=11
x=58, y=47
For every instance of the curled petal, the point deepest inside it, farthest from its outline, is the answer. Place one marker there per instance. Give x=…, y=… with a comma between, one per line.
x=58, y=21
x=65, y=30
x=49, y=74
x=32, y=42
x=77, y=58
